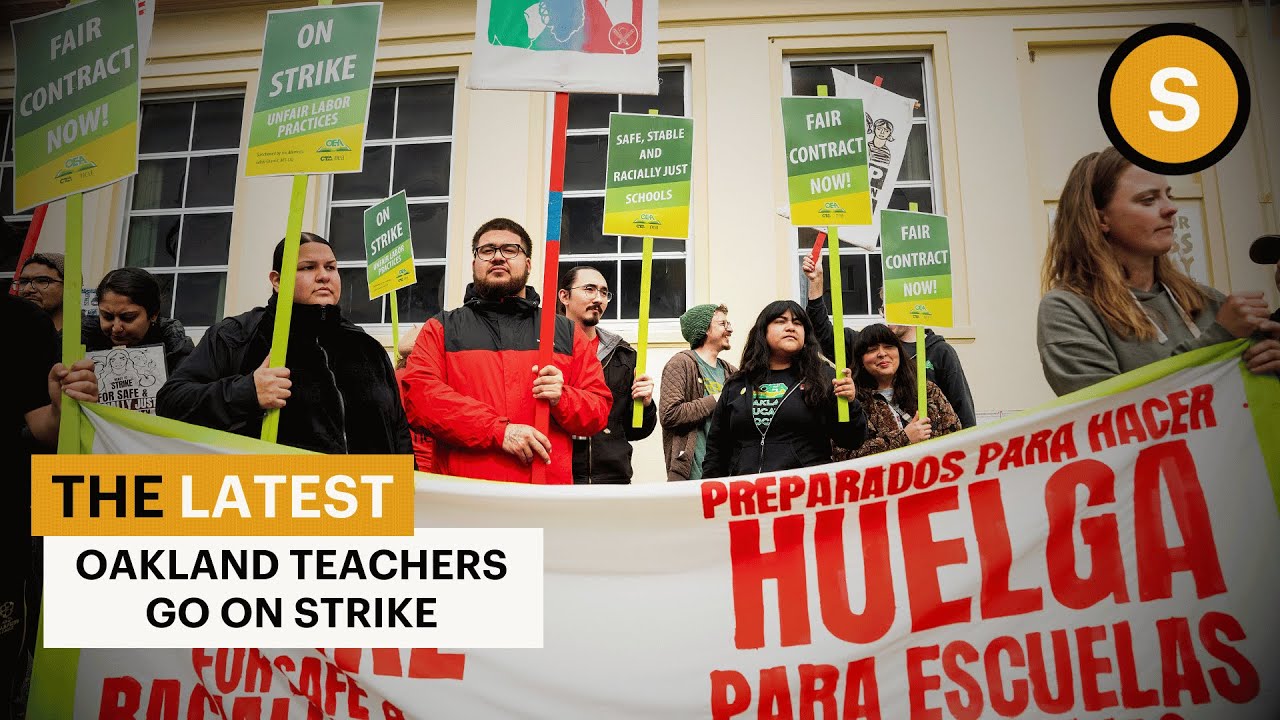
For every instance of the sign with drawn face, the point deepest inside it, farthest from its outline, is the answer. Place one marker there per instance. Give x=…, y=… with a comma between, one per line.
x=130, y=377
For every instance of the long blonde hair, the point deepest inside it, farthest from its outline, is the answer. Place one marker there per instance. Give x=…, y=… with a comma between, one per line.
x=1082, y=260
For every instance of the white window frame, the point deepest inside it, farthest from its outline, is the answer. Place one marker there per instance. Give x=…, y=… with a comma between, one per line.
x=195, y=331
x=626, y=327
x=384, y=329
x=929, y=120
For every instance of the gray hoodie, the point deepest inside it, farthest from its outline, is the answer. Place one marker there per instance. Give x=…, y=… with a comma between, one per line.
x=1078, y=349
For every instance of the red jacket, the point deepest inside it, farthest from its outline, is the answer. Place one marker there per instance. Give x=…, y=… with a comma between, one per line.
x=471, y=374
x=423, y=444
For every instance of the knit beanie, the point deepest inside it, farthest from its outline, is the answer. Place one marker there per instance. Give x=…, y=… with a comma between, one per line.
x=695, y=322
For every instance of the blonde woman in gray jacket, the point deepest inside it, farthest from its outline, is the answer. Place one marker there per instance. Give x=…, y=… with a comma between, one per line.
x=1114, y=301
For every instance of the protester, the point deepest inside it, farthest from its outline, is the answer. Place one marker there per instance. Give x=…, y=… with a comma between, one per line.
x=1264, y=356
x=129, y=316
x=1114, y=301
x=941, y=367
x=605, y=458
x=889, y=394
x=816, y=308
x=33, y=400
x=942, y=364
x=691, y=383
x=337, y=388
x=779, y=411
x=473, y=382
x=41, y=282
x=423, y=444
x=1266, y=251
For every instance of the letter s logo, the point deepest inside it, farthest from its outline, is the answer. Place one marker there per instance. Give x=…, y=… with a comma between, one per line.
x=1162, y=94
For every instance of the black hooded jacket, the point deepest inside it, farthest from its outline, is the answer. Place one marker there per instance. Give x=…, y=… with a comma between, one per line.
x=605, y=458
x=164, y=331
x=344, y=397
x=942, y=364
x=942, y=368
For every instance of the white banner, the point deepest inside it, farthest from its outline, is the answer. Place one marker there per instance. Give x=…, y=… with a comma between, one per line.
x=1109, y=556
x=600, y=46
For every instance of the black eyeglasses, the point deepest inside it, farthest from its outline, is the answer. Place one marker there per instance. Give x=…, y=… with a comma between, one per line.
x=488, y=252
x=594, y=290
x=41, y=283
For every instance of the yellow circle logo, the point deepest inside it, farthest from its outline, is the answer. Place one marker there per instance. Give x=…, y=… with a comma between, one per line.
x=1174, y=99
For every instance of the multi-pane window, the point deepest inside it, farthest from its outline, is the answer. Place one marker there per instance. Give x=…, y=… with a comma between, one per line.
x=10, y=240
x=909, y=76
x=180, y=213
x=408, y=146
x=582, y=241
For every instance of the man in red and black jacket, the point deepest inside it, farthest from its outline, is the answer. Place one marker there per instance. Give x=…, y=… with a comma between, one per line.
x=472, y=379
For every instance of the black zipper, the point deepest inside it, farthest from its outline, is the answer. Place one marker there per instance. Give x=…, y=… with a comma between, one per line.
x=765, y=432
x=342, y=404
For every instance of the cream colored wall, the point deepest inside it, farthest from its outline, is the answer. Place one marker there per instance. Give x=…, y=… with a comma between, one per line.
x=1009, y=130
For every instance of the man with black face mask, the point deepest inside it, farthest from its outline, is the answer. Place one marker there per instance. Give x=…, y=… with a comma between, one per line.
x=337, y=390
x=472, y=379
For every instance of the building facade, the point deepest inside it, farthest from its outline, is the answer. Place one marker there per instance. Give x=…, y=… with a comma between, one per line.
x=1007, y=102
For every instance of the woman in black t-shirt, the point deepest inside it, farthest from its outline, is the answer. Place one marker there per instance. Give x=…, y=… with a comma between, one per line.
x=779, y=411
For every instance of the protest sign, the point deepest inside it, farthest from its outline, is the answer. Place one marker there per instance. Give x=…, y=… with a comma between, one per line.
x=314, y=83
x=826, y=158
x=555, y=46
x=388, y=246
x=1088, y=559
x=648, y=175
x=888, y=118
x=130, y=377
x=916, y=252
x=75, y=120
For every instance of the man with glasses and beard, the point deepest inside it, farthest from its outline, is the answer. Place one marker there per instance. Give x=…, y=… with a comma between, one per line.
x=472, y=380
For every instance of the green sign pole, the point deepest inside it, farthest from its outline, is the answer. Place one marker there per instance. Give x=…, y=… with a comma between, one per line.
x=642, y=332
x=395, y=327
x=72, y=349
x=922, y=390
x=837, y=304
x=284, y=300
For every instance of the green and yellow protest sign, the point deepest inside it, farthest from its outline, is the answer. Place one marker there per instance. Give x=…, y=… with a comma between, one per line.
x=388, y=246
x=916, y=252
x=648, y=175
x=826, y=145
x=75, y=100
x=314, y=83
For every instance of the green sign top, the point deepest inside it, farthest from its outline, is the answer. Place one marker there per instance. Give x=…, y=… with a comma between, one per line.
x=71, y=58
x=823, y=133
x=315, y=52
x=648, y=149
x=914, y=244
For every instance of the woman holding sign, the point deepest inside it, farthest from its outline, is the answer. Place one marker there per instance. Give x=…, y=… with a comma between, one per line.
x=129, y=315
x=778, y=412
x=887, y=389
x=1114, y=300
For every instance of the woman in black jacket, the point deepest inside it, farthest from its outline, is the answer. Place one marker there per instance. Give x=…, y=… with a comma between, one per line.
x=129, y=316
x=778, y=412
